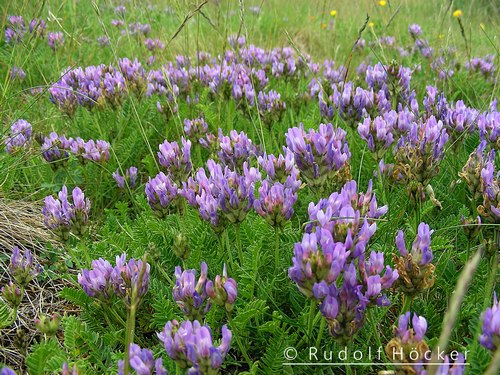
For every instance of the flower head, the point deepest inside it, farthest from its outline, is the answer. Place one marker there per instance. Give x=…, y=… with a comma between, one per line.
x=223, y=291
x=191, y=295
x=490, y=334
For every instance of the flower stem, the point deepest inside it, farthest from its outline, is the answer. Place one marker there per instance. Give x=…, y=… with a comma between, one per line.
x=321, y=329
x=238, y=341
x=276, y=249
x=228, y=250
x=406, y=304
x=238, y=243
x=312, y=310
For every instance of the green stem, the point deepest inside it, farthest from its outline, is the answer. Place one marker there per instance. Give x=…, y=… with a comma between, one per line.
x=276, y=249
x=238, y=341
x=417, y=213
x=312, y=310
x=486, y=302
x=238, y=243
x=129, y=335
x=228, y=250
x=321, y=330
x=375, y=330
x=406, y=304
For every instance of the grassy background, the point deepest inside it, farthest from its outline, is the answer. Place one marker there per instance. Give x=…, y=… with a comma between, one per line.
x=271, y=312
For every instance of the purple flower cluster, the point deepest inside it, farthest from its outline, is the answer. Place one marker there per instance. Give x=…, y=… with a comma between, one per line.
x=130, y=176
x=489, y=127
x=154, y=44
x=143, y=363
x=138, y=28
x=415, y=30
x=275, y=203
x=23, y=268
x=271, y=107
x=459, y=121
x=134, y=74
x=484, y=65
x=56, y=149
x=393, y=80
x=191, y=295
x=490, y=334
x=419, y=153
x=16, y=29
x=322, y=156
x=416, y=273
x=62, y=215
x=378, y=134
x=330, y=263
x=490, y=186
x=176, y=160
x=223, y=290
x=281, y=169
x=410, y=353
x=472, y=170
x=161, y=193
x=19, y=137
x=55, y=40
x=92, y=87
x=104, y=281
x=235, y=150
x=190, y=344
x=17, y=73
x=195, y=129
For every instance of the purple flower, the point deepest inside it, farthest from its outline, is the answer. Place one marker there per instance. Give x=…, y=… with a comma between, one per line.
x=484, y=66
x=191, y=295
x=489, y=128
x=490, y=334
x=414, y=30
x=130, y=175
x=281, y=169
x=223, y=291
x=235, y=149
x=490, y=186
x=23, y=268
x=377, y=134
x=271, y=107
x=17, y=73
x=143, y=363
x=16, y=30
x=55, y=40
x=321, y=156
x=195, y=129
x=190, y=345
x=66, y=371
x=134, y=74
x=275, y=203
x=161, y=191
x=96, y=282
x=155, y=44
x=130, y=276
x=103, y=41
x=20, y=136
x=7, y=371
x=63, y=216
x=176, y=161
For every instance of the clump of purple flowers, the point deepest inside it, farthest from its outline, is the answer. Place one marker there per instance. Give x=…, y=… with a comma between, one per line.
x=124, y=280
x=281, y=169
x=63, y=216
x=55, y=40
x=416, y=272
x=20, y=136
x=330, y=263
x=410, y=353
x=490, y=186
x=322, y=156
x=23, y=267
x=191, y=346
x=275, y=203
x=235, y=149
x=483, y=65
x=271, y=107
x=176, y=160
x=17, y=73
x=16, y=30
x=130, y=176
x=418, y=155
x=161, y=193
x=195, y=129
x=134, y=75
x=378, y=133
x=142, y=361
x=471, y=172
x=223, y=290
x=490, y=334
x=191, y=295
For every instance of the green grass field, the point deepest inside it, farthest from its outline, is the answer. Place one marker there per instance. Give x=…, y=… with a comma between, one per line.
x=190, y=67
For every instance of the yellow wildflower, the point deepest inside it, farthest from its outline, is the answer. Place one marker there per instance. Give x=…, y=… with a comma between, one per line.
x=323, y=25
x=458, y=13
x=371, y=24
x=382, y=3
x=333, y=13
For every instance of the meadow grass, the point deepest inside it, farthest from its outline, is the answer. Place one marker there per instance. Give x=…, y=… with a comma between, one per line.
x=270, y=313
